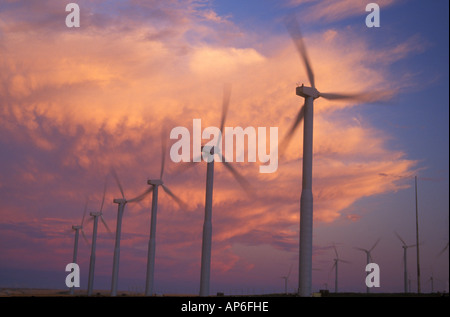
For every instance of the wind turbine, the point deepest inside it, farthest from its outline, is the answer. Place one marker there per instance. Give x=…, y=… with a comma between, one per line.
x=95, y=216
x=121, y=202
x=335, y=267
x=77, y=229
x=208, y=153
x=405, y=265
x=306, y=114
x=369, y=257
x=152, y=241
x=286, y=279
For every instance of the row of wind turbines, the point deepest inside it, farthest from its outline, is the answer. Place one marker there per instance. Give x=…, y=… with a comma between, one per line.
x=305, y=114
x=154, y=185
x=369, y=259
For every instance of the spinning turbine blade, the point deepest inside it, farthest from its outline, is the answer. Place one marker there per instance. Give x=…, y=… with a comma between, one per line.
x=163, y=152
x=141, y=196
x=105, y=224
x=361, y=97
x=373, y=247
x=240, y=179
x=113, y=172
x=400, y=238
x=298, y=120
x=84, y=237
x=225, y=105
x=103, y=199
x=335, y=251
x=85, y=210
x=176, y=198
x=294, y=30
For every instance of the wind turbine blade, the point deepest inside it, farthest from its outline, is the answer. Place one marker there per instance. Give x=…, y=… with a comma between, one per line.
x=335, y=251
x=103, y=199
x=400, y=238
x=375, y=244
x=163, y=152
x=289, y=273
x=361, y=249
x=361, y=97
x=105, y=224
x=85, y=210
x=344, y=261
x=298, y=120
x=113, y=172
x=225, y=105
x=239, y=178
x=84, y=237
x=141, y=196
x=294, y=31
x=178, y=200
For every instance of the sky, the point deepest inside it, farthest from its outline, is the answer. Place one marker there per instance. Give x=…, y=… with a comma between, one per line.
x=77, y=102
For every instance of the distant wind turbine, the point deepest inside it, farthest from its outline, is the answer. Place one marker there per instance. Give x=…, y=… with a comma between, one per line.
x=368, y=257
x=335, y=267
x=286, y=278
x=121, y=202
x=77, y=229
x=405, y=265
x=95, y=216
x=152, y=241
x=306, y=113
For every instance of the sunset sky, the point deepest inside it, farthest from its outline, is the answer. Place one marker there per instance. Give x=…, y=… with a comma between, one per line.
x=76, y=102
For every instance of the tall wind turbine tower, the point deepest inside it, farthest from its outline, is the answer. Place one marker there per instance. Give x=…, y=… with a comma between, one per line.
x=152, y=241
x=121, y=202
x=405, y=264
x=95, y=215
x=208, y=153
x=417, y=238
x=306, y=114
x=368, y=257
x=77, y=229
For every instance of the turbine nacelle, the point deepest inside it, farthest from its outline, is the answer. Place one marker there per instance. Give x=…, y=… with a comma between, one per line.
x=120, y=201
x=305, y=92
x=155, y=182
x=95, y=214
x=77, y=227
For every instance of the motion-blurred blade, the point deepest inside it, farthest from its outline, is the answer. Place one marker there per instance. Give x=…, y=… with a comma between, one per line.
x=178, y=200
x=400, y=238
x=375, y=244
x=375, y=96
x=225, y=105
x=141, y=196
x=105, y=224
x=361, y=249
x=85, y=210
x=335, y=251
x=103, y=199
x=163, y=152
x=239, y=178
x=84, y=237
x=289, y=273
x=285, y=142
x=113, y=172
x=294, y=30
